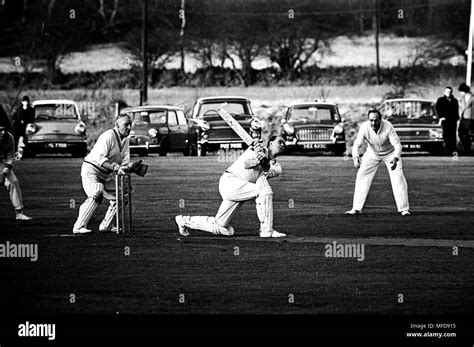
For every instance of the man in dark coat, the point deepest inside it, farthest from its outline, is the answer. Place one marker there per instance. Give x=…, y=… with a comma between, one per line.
x=447, y=107
x=21, y=118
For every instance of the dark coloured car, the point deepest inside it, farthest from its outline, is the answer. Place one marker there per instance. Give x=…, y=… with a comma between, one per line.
x=209, y=132
x=57, y=129
x=313, y=126
x=157, y=129
x=416, y=123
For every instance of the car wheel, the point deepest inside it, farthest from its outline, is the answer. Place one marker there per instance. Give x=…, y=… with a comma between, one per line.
x=201, y=150
x=143, y=153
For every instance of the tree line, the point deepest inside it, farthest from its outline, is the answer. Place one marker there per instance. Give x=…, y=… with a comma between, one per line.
x=218, y=33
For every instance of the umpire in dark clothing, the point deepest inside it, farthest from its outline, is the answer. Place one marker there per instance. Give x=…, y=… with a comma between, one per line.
x=24, y=115
x=447, y=107
x=467, y=115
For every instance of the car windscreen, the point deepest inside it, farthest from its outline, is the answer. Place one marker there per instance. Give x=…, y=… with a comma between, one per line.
x=318, y=114
x=401, y=112
x=209, y=110
x=55, y=112
x=155, y=117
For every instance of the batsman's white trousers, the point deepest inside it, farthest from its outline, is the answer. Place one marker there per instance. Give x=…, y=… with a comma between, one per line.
x=13, y=187
x=368, y=168
x=96, y=188
x=235, y=191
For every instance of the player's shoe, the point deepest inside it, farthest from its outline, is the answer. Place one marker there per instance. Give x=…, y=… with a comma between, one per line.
x=405, y=213
x=22, y=216
x=272, y=233
x=179, y=220
x=353, y=212
x=81, y=231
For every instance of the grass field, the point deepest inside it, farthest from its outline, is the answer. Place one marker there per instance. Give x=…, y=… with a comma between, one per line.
x=156, y=271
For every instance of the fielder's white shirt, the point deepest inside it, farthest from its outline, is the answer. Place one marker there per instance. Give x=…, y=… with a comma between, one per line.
x=384, y=142
x=110, y=146
x=246, y=167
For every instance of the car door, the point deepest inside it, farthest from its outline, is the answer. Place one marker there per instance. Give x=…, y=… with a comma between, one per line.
x=174, y=130
x=183, y=129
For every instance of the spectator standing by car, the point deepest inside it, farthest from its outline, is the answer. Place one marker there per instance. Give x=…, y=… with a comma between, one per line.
x=7, y=177
x=447, y=107
x=465, y=125
x=24, y=115
x=383, y=146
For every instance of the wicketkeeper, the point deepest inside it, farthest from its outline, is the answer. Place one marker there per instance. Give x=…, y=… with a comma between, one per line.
x=109, y=156
x=246, y=179
x=383, y=145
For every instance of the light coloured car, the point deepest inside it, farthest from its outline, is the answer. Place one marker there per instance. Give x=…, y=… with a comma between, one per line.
x=57, y=128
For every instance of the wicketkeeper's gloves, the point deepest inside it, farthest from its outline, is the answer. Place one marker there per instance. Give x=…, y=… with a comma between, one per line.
x=138, y=168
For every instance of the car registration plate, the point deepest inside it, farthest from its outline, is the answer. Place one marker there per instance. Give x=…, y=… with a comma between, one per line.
x=231, y=145
x=411, y=146
x=314, y=145
x=56, y=145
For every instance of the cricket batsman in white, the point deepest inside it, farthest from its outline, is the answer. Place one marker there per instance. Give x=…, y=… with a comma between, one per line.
x=7, y=176
x=246, y=179
x=109, y=156
x=383, y=145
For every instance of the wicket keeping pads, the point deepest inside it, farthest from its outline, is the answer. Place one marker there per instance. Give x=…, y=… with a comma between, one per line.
x=139, y=168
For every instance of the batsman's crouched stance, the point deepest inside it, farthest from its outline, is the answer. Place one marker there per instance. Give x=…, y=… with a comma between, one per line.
x=109, y=156
x=246, y=179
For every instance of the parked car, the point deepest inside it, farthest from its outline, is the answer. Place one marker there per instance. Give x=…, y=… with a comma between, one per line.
x=57, y=128
x=157, y=129
x=416, y=123
x=209, y=132
x=313, y=126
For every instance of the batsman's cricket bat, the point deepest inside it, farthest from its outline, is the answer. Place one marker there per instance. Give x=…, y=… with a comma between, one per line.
x=227, y=117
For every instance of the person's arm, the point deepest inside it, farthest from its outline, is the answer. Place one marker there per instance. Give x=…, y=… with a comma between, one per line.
x=275, y=170
x=395, y=141
x=358, y=143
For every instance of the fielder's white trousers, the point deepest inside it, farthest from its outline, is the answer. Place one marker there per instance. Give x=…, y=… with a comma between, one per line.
x=368, y=168
x=235, y=191
x=13, y=187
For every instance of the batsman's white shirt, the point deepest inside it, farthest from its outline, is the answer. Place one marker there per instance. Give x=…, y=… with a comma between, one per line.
x=384, y=142
x=246, y=167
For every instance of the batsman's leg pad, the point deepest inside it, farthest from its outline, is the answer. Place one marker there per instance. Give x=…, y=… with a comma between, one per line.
x=264, y=204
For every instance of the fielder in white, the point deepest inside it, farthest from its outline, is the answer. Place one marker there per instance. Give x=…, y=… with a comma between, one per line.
x=383, y=145
x=109, y=156
x=7, y=177
x=244, y=180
